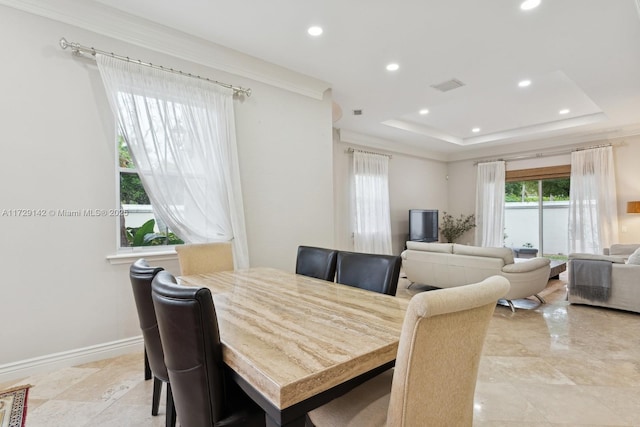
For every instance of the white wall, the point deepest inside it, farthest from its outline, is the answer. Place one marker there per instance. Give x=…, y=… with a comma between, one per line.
x=59, y=293
x=414, y=183
x=285, y=150
x=462, y=194
x=626, y=157
x=462, y=182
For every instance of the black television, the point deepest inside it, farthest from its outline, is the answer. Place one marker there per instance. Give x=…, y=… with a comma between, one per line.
x=423, y=225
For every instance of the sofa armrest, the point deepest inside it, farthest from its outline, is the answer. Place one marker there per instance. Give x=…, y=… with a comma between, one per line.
x=526, y=266
x=596, y=257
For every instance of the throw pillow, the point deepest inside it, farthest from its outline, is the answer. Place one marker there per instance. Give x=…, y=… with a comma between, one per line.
x=634, y=258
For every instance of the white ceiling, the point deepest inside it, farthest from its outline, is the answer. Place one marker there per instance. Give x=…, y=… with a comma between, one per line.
x=583, y=55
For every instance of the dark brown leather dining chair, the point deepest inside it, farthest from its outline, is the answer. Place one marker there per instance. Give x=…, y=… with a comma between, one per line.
x=316, y=262
x=141, y=275
x=373, y=272
x=203, y=391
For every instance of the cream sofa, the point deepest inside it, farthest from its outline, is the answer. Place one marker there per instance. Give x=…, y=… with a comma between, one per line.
x=445, y=265
x=624, y=292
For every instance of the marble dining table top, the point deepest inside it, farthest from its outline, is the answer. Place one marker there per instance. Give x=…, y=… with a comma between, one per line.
x=292, y=337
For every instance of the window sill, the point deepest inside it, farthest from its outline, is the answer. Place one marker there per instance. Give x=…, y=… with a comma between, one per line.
x=132, y=255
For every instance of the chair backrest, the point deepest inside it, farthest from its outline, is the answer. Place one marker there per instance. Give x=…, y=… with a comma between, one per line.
x=378, y=273
x=439, y=352
x=192, y=350
x=141, y=275
x=316, y=262
x=201, y=258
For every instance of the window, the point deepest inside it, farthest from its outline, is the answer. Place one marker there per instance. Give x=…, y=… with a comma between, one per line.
x=180, y=133
x=138, y=225
x=372, y=224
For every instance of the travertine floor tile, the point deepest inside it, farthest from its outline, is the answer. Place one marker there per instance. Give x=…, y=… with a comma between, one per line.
x=121, y=415
x=591, y=371
x=65, y=413
x=104, y=385
x=570, y=405
x=48, y=386
x=624, y=401
x=502, y=402
x=480, y=423
x=504, y=369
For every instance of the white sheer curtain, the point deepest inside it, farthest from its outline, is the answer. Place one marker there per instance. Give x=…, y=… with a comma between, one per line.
x=181, y=136
x=593, y=213
x=372, y=222
x=490, y=204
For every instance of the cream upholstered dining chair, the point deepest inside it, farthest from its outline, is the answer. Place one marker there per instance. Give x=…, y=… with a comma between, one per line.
x=434, y=379
x=201, y=258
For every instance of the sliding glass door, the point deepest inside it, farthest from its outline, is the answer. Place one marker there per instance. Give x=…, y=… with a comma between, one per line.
x=555, y=217
x=536, y=217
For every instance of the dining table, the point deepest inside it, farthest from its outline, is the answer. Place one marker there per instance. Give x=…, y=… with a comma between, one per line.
x=294, y=343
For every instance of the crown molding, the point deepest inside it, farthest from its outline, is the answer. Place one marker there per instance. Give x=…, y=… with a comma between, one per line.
x=367, y=141
x=496, y=136
x=554, y=144
x=104, y=20
x=558, y=142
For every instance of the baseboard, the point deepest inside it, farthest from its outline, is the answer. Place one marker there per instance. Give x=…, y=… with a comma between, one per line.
x=37, y=365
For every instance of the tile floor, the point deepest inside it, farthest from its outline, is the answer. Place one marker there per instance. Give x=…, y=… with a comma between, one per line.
x=545, y=365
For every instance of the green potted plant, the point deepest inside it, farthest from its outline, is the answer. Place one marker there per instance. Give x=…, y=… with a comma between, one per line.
x=452, y=228
x=146, y=236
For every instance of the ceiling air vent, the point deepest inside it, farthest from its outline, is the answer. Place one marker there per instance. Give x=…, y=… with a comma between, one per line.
x=357, y=112
x=448, y=85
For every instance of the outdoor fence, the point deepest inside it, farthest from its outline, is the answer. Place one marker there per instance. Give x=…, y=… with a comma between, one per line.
x=522, y=226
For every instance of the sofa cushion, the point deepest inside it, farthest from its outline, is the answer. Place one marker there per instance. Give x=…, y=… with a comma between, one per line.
x=526, y=266
x=623, y=249
x=505, y=253
x=446, y=248
x=634, y=258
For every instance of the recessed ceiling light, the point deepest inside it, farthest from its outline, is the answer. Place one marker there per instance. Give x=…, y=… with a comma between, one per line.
x=393, y=67
x=524, y=83
x=424, y=111
x=529, y=4
x=314, y=31
x=564, y=111
x=475, y=130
